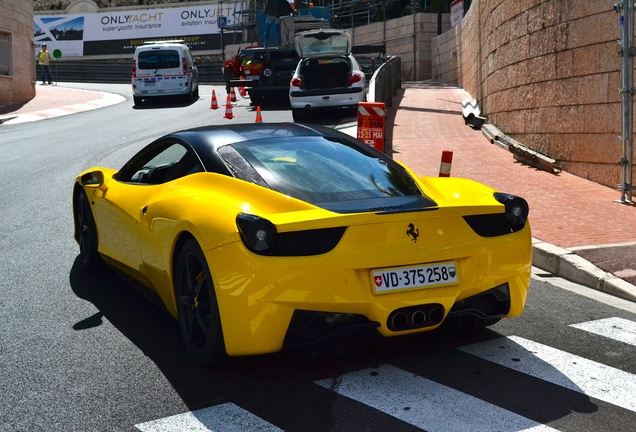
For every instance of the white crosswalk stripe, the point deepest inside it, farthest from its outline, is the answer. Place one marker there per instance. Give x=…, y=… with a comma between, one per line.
x=433, y=407
x=426, y=404
x=220, y=418
x=619, y=329
x=561, y=368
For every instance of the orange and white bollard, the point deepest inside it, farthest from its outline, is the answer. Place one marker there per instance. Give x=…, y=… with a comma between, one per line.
x=214, y=104
x=228, y=109
x=445, y=165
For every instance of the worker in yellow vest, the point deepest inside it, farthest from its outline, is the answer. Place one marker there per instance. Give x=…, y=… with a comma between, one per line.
x=44, y=60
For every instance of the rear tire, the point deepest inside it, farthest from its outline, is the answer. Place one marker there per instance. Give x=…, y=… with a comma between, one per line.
x=86, y=233
x=197, y=308
x=298, y=114
x=189, y=98
x=137, y=100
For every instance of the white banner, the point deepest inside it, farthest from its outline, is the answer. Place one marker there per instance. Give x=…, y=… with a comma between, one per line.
x=72, y=34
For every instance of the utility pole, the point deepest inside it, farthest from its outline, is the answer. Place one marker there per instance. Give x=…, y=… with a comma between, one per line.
x=626, y=9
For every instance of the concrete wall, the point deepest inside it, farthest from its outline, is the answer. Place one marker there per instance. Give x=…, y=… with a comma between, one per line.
x=545, y=72
x=16, y=18
x=408, y=37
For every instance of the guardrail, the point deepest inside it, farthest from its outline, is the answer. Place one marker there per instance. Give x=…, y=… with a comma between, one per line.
x=119, y=72
x=386, y=81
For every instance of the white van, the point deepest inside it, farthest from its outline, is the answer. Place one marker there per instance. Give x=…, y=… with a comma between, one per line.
x=164, y=68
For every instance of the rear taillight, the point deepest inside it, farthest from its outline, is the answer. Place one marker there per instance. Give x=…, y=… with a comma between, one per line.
x=516, y=208
x=354, y=78
x=296, y=82
x=257, y=233
x=185, y=66
x=134, y=68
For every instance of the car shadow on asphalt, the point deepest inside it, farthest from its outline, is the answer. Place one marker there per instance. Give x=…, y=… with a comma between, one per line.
x=274, y=385
x=164, y=102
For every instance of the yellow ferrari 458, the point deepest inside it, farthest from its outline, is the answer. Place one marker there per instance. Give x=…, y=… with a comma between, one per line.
x=261, y=236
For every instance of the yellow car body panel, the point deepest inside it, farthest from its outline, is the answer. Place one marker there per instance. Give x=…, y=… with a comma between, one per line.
x=257, y=295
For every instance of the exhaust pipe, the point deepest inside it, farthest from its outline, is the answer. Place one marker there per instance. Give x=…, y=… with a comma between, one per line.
x=436, y=315
x=399, y=321
x=418, y=318
x=415, y=317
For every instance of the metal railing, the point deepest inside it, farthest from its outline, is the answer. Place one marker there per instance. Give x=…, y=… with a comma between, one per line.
x=626, y=9
x=119, y=72
x=386, y=81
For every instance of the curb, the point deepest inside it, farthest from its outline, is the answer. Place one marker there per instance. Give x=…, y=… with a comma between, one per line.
x=566, y=264
x=102, y=100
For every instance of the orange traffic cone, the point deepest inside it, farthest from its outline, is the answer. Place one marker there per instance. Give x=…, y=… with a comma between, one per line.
x=214, y=104
x=232, y=95
x=243, y=90
x=228, y=109
x=259, y=119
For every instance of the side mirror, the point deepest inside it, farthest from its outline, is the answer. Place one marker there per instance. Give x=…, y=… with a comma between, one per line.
x=93, y=179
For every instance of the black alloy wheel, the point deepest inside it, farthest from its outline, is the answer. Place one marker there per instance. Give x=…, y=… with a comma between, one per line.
x=198, y=312
x=86, y=233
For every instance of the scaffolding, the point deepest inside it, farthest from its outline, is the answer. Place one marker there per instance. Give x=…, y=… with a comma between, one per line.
x=240, y=26
x=353, y=13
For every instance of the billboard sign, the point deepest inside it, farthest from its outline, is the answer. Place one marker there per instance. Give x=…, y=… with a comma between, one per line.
x=119, y=32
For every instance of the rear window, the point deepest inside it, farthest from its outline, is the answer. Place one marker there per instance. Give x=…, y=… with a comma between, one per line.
x=319, y=171
x=158, y=59
x=322, y=43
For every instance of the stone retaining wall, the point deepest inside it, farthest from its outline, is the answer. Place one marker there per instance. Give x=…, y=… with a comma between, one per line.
x=545, y=72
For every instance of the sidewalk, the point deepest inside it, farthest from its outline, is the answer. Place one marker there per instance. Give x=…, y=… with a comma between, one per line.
x=54, y=101
x=579, y=232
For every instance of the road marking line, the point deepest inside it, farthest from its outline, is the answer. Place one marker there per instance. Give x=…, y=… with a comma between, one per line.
x=561, y=368
x=424, y=403
x=220, y=418
x=618, y=329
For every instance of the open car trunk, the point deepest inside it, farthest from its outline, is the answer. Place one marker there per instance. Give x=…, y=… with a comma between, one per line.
x=325, y=73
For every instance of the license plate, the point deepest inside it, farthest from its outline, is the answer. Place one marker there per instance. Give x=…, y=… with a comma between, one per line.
x=423, y=276
x=150, y=83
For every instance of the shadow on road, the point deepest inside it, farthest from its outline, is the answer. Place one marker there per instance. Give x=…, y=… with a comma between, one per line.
x=164, y=102
x=280, y=387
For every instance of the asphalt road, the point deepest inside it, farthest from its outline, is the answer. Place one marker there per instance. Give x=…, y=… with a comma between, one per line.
x=86, y=352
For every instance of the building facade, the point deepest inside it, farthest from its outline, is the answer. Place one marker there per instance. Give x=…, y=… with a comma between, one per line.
x=17, y=63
